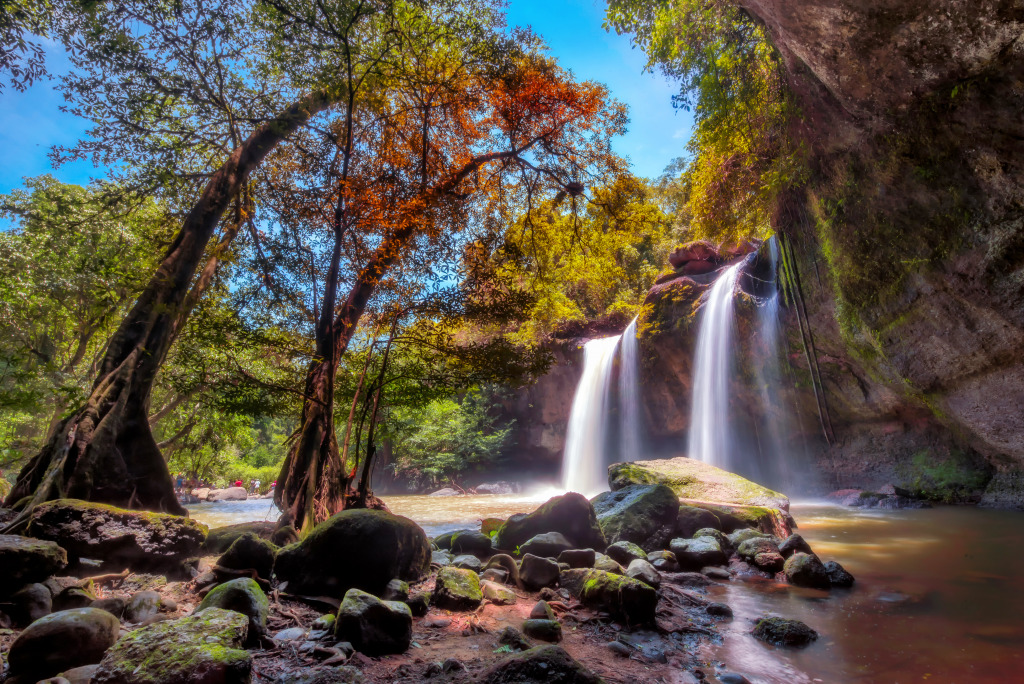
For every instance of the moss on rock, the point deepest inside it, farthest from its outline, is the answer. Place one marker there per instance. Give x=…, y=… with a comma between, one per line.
x=244, y=596
x=457, y=589
x=570, y=514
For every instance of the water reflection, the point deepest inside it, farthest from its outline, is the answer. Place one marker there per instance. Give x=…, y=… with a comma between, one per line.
x=937, y=596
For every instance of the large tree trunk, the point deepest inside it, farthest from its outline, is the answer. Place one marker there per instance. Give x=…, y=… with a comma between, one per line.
x=104, y=450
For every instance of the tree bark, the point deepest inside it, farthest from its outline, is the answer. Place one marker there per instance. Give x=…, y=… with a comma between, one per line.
x=105, y=451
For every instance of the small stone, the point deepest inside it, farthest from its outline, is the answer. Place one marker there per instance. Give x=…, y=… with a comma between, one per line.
x=548, y=663
x=716, y=573
x=467, y=562
x=769, y=562
x=620, y=649
x=624, y=552
x=663, y=561
x=457, y=589
x=783, y=632
x=545, y=630
x=396, y=590
x=494, y=575
x=440, y=558
x=436, y=622
x=640, y=569
x=536, y=572
x=732, y=678
x=419, y=603
x=498, y=594
x=249, y=552
x=578, y=558
x=718, y=610
x=838, y=575
x=324, y=622
x=542, y=611
x=739, y=536
x=290, y=634
x=372, y=626
x=513, y=638
x=142, y=606
x=717, y=535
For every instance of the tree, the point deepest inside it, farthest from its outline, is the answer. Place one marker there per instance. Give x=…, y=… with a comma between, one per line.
x=468, y=123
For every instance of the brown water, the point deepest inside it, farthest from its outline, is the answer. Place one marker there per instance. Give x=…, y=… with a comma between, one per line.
x=938, y=595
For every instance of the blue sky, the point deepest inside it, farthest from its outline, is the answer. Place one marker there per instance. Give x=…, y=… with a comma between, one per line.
x=31, y=122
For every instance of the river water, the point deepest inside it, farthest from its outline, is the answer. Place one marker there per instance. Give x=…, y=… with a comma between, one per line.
x=938, y=595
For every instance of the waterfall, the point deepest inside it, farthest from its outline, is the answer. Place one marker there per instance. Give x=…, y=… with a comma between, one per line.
x=629, y=395
x=712, y=364
x=583, y=465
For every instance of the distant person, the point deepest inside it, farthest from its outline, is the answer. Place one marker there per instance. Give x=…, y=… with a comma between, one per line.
x=256, y=487
x=180, y=484
x=238, y=483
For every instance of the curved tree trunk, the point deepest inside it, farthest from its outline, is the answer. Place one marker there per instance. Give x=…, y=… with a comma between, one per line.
x=105, y=451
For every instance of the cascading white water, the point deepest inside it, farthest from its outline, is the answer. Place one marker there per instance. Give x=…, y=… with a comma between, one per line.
x=712, y=363
x=583, y=465
x=629, y=395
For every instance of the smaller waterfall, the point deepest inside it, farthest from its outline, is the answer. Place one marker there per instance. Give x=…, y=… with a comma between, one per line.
x=712, y=364
x=629, y=396
x=583, y=466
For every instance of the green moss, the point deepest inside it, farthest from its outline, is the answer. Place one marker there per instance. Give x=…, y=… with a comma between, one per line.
x=948, y=478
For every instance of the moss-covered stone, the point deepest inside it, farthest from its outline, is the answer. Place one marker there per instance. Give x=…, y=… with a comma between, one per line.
x=24, y=560
x=549, y=664
x=473, y=542
x=456, y=589
x=806, y=570
x=249, y=552
x=372, y=626
x=733, y=517
x=198, y=649
x=692, y=518
x=244, y=596
x=694, y=554
x=622, y=596
x=696, y=480
x=717, y=535
x=497, y=593
x=220, y=538
x=783, y=632
x=624, y=552
x=543, y=629
x=62, y=640
x=118, y=537
x=364, y=549
x=570, y=514
x=642, y=514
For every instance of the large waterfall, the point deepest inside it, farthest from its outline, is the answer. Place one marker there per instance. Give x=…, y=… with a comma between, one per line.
x=583, y=466
x=629, y=396
x=712, y=364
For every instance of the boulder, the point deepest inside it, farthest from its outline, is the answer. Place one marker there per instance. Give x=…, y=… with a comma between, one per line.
x=578, y=558
x=549, y=664
x=30, y=603
x=537, y=573
x=663, y=561
x=243, y=596
x=624, y=552
x=118, y=537
x=783, y=632
x=24, y=560
x=456, y=589
x=220, y=538
x=80, y=675
x=643, y=514
x=806, y=570
x=497, y=593
x=603, y=562
x=73, y=597
x=467, y=562
x=229, y=494
x=696, y=480
x=283, y=536
x=739, y=536
x=570, y=514
x=718, y=610
x=62, y=640
x=792, y=544
x=732, y=517
x=372, y=626
x=200, y=493
x=715, y=534
x=358, y=548
x=441, y=558
x=621, y=596
x=694, y=554
x=396, y=590
x=469, y=541
x=513, y=638
x=838, y=575
x=249, y=552
x=141, y=606
x=749, y=548
x=114, y=605
x=692, y=518
x=446, y=491
x=640, y=569
x=544, y=630
x=199, y=649
x=546, y=545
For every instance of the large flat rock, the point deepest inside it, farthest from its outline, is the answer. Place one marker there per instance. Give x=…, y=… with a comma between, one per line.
x=697, y=481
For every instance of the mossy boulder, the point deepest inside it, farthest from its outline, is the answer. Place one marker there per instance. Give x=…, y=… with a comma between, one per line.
x=696, y=480
x=731, y=517
x=498, y=594
x=549, y=664
x=578, y=558
x=62, y=640
x=24, y=560
x=792, y=544
x=570, y=514
x=250, y=552
x=202, y=648
x=244, y=596
x=692, y=518
x=362, y=549
x=472, y=542
x=372, y=626
x=118, y=537
x=640, y=569
x=624, y=597
x=220, y=538
x=717, y=535
x=783, y=632
x=694, y=554
x=741, y=535
x=543, y=629
x=806, y=570
x=30, y=603
x=642, y=514
x=537, y=573
x=456, y=589
x=624, y=552
x=546, y=545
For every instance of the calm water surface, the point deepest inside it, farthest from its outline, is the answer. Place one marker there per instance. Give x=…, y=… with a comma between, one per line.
x=938, y=595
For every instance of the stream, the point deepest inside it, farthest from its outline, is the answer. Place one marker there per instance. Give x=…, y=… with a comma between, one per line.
x=937, y=595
